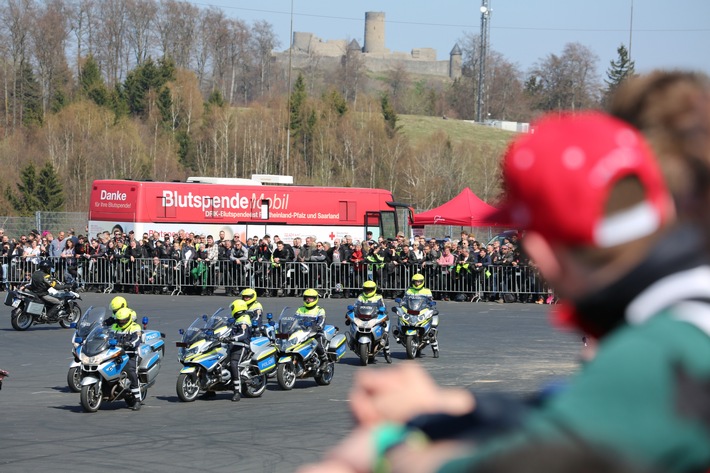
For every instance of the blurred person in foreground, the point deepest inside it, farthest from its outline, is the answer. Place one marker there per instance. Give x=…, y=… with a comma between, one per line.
x=600, y=226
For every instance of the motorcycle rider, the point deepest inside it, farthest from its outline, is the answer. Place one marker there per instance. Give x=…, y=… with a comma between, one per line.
x=369, y=295
x=118, y=303
x=40, y=282
x=240, y=337
x=417, y=289
x=310, y=308
x=130, y=338
x=248, y=295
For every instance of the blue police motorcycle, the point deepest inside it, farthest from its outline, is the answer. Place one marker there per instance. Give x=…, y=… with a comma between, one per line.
x=296, y=341
x=103, y=360
x=82, y=330
x=204, y=354
x=368, y=335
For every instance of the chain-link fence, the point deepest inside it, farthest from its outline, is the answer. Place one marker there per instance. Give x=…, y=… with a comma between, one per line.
x=45, y=221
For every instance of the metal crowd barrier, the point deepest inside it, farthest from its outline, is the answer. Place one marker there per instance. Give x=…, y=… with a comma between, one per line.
x=167, y=276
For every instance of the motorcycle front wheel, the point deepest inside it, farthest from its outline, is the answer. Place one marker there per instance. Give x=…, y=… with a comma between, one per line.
x=187, y=387
x=286, y=376
x=364, y=353
x=72, y=316
x=91, y=397
x=325, y=374
x=20, y=319
x=255, y=387
x=74, y=379
x=412, y=346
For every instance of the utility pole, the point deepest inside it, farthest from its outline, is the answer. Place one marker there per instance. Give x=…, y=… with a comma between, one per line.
x=631, y=27
x=483, y=54
x=288, y=102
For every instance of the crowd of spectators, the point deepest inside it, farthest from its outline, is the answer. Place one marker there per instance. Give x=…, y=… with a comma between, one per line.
x=125, y=262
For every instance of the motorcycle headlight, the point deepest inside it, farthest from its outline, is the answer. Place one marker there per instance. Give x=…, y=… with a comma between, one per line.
x=90, y=360
x=191, y=351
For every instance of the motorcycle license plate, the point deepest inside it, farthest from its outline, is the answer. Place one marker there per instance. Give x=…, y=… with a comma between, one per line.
x=16, y=303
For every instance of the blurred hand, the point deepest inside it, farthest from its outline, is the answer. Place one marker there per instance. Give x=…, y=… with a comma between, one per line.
x=401, y=393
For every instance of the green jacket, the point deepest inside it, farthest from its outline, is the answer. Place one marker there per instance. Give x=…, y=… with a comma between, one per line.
x=643, y=395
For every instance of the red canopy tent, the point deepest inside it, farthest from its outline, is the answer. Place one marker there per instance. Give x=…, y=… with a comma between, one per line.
x=465, y=210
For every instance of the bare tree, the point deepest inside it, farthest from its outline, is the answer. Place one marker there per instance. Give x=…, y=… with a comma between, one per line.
x=177, y=25
x=263, y=42
x=567, y=82
x=81, y=23
x=49, y=39
x=140, y=19
x=506, y=99
x=15, y=18
x=111, y=51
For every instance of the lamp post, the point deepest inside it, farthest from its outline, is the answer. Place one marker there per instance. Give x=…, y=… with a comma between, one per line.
x=483, y=54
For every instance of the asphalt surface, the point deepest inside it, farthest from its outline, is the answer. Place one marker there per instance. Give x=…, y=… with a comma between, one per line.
x=484, y=347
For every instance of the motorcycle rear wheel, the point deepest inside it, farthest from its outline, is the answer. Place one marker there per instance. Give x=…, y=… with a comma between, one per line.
x=20, y=319
x=255, y=387
x=72, y=317
x=91, y=397
x=74, y=379
x=325, y=374
x=187, y=387
x=364, y=354
x=286, y=376
x=412, y=346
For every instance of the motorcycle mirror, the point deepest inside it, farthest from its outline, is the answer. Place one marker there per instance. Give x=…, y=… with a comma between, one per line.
x=181, y=332
x=394, y=309
x=269, y=316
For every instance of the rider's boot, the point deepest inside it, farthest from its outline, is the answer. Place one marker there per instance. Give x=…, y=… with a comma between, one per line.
x=435, y=347
x=137, y=401
x=237, y=395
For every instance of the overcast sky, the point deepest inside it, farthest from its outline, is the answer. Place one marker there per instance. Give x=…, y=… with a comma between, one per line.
x=665, y=34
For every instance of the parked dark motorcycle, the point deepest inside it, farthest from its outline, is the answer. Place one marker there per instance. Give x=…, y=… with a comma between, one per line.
x=28, y=308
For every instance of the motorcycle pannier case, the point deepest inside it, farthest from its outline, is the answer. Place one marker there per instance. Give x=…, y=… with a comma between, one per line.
x=264, y=359
x=34, y=308
x=336, y=347
x=9, y=297
x=149, y=368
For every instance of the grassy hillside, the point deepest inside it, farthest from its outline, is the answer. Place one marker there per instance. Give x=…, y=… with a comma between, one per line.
x=419, y=128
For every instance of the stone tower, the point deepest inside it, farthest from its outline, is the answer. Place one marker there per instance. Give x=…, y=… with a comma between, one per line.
x=374, y=33
x=455, y=62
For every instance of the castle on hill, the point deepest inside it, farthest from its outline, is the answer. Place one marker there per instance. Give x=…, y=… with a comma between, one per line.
x=376, y=57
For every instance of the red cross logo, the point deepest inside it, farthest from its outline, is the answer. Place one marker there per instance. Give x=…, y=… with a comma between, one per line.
x=332, y=235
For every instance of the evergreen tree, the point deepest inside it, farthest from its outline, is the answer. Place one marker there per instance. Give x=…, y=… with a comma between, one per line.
x=92, y=84
x=298, y=101
x=148, y=76
x=30, y=96
x=215, y=98
x=26, y=200
x=619, y=70
x=389, y=115
x=336, y=101
x=49, y=190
